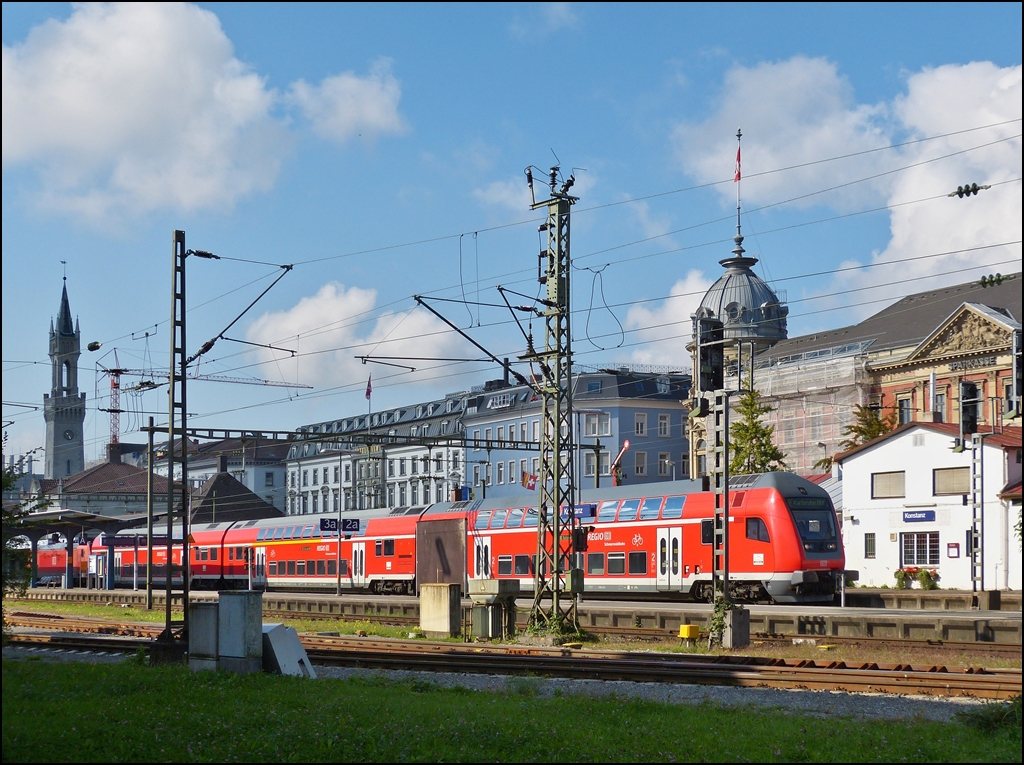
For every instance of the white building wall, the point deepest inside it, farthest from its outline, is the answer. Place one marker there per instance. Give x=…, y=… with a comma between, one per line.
x=918, y=452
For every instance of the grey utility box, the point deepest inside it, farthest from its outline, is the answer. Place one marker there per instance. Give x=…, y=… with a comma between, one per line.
x=239, y=632
x=283, y=652
x=202, y=635
x=737, y=628
x=494, y=607
x=440, y=610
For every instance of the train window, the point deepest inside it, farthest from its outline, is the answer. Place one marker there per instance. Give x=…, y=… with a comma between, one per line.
x=272, y=568
x=344, y=566
x=292, y=532
x=332, y=568
x=378, y=548
x=515, y=518
x=504, y=565
x=651, y=508
x=638, y=563
x=321, y=567
x=707, y=531
x=662, y=556
x=261, y=535
x=482, y=518
x=523, y=565
x=316, y=532
x=231, y=553
x=616, y=563
x=213, y=553
x=675, y=555
x=389, y=548
x=307, y=532
x=756, y=530
x=606, y=513
x=673, y=507
x=530, y=519
x=278, y=533
x=300, y=568
x=595, y=564
x=628, y=510
x=310, y=567
x=291, y=568
x=498, y=519
x=204, y=553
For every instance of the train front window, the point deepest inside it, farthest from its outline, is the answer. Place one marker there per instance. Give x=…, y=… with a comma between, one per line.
x=816, y=523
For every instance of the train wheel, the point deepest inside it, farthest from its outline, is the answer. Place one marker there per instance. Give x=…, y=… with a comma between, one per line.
x=703, y=592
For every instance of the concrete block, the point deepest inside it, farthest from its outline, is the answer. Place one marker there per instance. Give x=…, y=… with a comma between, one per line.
x=283, y=653
x=440, y=610
x=202, y=636
x=239, y=632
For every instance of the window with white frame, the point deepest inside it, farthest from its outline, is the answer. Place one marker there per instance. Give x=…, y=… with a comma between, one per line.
x=511, y=471
x=664, y=426
x=664, y=464
x=640, y=463
x=597, y=424
x=476, y=475
x=920, y=548
x=890, y=485
x=536, y=466
x=305, y=477
x=268, y=480
x=904, y=408
x=414, y=492
x=501, y=472
x=536, y=430
x=640, y=424
x=501, y=434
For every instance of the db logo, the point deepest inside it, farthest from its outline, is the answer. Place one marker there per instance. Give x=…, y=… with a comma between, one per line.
x=637, y=540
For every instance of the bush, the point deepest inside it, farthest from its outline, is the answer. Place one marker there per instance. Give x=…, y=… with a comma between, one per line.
x=927, y=578
x=902, y=579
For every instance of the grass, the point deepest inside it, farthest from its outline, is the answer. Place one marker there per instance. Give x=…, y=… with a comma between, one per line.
x=125, y=712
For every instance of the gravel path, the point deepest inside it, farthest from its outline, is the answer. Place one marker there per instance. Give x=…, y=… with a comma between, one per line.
x=818, y=703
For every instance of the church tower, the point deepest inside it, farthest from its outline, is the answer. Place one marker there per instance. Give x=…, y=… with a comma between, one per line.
x=64, y=407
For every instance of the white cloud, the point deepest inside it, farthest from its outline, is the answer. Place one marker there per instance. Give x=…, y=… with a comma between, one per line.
x=513, y=195
x=328, y=330
x=345, y=105
x=666, y=327
x=545, y=19
x=790, y=112
x=126, y=108
x=802, y=110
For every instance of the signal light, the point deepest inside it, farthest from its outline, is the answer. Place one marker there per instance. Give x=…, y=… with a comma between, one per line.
x=968, y=408
x=711, y=354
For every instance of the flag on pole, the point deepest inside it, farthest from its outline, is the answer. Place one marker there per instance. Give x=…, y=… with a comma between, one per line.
x=369, y=388
x=737, y=177
x=529, y=481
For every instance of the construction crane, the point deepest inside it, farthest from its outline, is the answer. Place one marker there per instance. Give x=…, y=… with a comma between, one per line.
x=149, y=383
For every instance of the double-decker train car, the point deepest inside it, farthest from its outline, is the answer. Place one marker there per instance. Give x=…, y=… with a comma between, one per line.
x=650, y=541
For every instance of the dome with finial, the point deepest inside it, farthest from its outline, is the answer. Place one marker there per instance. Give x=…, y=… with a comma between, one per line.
x=748, y=308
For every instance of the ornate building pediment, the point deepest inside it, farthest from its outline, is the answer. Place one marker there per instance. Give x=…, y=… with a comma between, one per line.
x=970, y=329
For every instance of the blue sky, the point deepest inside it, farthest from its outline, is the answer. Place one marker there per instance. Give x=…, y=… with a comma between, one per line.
x=380, y=149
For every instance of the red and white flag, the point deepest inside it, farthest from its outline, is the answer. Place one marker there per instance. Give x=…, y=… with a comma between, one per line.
x=737, y=177
x=529, y=481
x=369, y=388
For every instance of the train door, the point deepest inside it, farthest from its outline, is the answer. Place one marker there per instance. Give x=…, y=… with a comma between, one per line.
x=359, y=564
x=482, y=558
x=115, y=573
x=257, y=568
x=669, y=557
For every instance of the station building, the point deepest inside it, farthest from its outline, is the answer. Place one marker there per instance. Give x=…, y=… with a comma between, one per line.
x=906, y=505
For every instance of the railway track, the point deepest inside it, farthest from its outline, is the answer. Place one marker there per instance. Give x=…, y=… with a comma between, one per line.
x=390, y=654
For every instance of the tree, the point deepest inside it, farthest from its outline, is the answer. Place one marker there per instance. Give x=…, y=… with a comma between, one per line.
x=750, y=440
x=868, y=424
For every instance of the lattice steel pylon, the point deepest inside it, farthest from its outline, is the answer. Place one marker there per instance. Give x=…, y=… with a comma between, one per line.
x=177, y=453
x=720, y=480
x=557, y=579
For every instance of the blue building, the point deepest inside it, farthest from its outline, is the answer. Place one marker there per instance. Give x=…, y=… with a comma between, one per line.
x=611, y=406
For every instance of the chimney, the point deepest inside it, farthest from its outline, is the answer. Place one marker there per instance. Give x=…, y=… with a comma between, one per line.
x=222, y=463
x=114, y=454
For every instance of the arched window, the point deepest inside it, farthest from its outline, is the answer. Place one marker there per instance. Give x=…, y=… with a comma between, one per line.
x=702, y=458
x=65, y=375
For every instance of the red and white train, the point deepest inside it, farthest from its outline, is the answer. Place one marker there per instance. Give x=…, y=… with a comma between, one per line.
x=653, y=540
